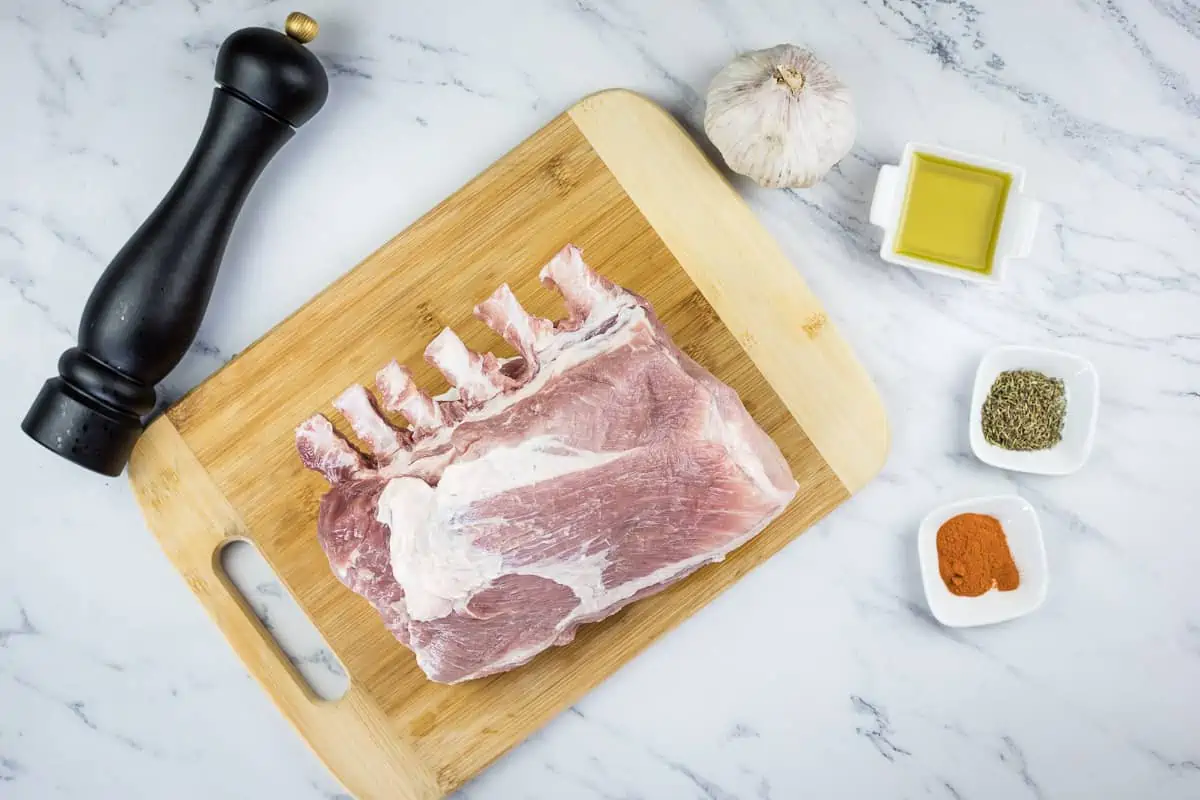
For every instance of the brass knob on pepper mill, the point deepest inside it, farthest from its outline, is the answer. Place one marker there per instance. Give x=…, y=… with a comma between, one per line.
x=301, y=27
x=148, y=304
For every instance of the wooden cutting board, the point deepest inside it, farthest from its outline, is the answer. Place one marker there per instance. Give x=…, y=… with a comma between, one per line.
x=617, y=176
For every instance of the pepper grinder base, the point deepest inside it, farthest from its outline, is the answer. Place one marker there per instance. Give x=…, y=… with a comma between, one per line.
x=80, y=429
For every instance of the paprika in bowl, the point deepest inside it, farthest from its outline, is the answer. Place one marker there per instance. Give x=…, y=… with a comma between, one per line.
x=982, y=561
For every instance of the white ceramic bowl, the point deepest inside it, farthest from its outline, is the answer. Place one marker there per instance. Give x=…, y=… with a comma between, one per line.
x=1024, y=534
x=1017, y=227
x=1079, y=428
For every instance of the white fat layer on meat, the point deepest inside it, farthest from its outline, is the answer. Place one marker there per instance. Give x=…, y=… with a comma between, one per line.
x=435, y=568
x=732, y=435
x=437, y=563
x=502, y=469
x=624, y=591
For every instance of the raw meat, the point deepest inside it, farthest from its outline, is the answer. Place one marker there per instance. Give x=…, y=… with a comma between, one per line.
x=544, y=491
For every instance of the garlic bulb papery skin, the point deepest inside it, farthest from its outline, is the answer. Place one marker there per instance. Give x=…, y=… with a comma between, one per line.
x=780, y=116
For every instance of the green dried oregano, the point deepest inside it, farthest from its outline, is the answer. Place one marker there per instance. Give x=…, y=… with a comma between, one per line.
x=1025, y=411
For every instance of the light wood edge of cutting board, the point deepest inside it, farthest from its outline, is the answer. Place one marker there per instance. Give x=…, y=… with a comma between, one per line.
x=350, y=735
x=744, y=276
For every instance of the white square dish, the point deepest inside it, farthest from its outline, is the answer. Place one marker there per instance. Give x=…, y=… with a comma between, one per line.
x=1024, y=535
x=1079, y=428
x=1019, y=216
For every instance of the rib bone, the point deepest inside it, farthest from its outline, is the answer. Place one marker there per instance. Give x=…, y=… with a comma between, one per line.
x=323, y=449
x=401, y=394
x=582, y=288
x=358, y=407
x=477, y=377
x=526, y=333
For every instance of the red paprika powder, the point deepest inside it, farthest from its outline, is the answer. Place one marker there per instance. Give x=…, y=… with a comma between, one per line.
x=973, y=556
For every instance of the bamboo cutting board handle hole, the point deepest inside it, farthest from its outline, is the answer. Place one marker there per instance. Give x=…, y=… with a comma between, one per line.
x=264, y=598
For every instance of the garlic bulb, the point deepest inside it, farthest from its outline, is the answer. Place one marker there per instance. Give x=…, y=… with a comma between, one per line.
x=780, y=116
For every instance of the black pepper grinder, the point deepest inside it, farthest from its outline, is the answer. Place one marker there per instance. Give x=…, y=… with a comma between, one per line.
x=147, y=306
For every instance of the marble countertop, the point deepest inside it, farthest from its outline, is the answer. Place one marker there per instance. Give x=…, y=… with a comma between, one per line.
x=821, y=674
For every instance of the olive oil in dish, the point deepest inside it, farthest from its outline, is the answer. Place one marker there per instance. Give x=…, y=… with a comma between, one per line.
x=952, y=213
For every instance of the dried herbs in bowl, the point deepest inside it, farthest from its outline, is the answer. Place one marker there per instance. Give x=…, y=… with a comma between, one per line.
x=1034, y=410
x=1025, y=410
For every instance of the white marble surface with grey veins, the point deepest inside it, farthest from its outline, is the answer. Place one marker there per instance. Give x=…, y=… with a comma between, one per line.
x=822, y=673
